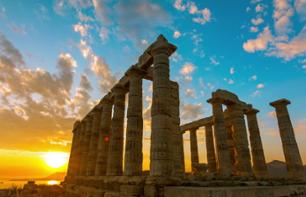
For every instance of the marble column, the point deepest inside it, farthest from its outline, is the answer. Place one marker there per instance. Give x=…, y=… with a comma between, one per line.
x=104, y=135
x=177, y=148
x=230, y=139
x=160, y=158
x=258, y=157
x=72, y=164
x=194, y=149
x=290, y=148
x=94, y=138
x=85, y=144
x=243, y=166
x=210, y=149
x=134, y=132
x=224, y=167
x=81, y=147
x=115, y=151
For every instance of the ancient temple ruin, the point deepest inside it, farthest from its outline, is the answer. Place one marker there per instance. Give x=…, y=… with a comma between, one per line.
x=100, y=166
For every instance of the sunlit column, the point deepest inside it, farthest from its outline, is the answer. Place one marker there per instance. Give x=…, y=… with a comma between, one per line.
x=258, y=157
x=104, y=135
x=72, y=164
x=210, y=149
x=243, y=166
x=177, y=148
x=85, y=144
x=290, y=148
x=134, y=132
x=160, y=111
x=194, y=149
x=93, y=144
x=223, y=154
x=115, y=151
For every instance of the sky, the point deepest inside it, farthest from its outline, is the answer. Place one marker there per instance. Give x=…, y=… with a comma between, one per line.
x=58, y=58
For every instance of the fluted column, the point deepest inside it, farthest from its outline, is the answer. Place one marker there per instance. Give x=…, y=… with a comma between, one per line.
x=160, y=164
x=81, y=146
x=258, y=157
x=93, y=144
x=243, y=166
x=85, y=144
x=177, y=148
x=134, y=132
x=290, y=148
x=115, y=151
x=194, y=149
x=210, y=149
x=104, y=135
x=223, y=155
x=72, y=164
x=230, y=139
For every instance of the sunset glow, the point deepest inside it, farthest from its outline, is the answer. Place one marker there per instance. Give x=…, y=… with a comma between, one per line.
x=56, y=159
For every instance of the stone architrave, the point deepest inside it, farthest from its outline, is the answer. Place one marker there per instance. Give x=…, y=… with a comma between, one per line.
x=93, y=144
x=194, y=149
x=134, y=132
x=115, y=151
x=72, y=164
x=258, y=157
x=104, y=135
x=243, y=166
x=210, y=149
x=160, y=158
x=85, y=144
x=177, y=148
x=224, y=167
x=290, y=148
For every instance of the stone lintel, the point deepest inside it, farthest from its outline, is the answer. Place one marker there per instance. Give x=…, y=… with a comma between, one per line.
x=76, y=124
x=196, y=124
x=280, y=102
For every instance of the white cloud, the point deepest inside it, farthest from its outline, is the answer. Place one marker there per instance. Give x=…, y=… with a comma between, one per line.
x=260, y=86
x=257, y=21
x=2, y=12
x=259, y=8
x=253, y=29
x=253, y=78
x=304, y=66
x=202, y=16
x=176, y=34
x=282, y=13
x=232, y=70
x=99, y=67
x=260, y=43
x=290, y=49
x=190, y=93
x=229, y=81
x=104, y=33
x=300, y=6
x=82, y=29
x=191, y=111
x=83, y=17
x=178, y=4
x=205, y=16
x=187, y=68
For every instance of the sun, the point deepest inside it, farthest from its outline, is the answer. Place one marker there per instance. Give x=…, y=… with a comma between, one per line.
x=56, y=159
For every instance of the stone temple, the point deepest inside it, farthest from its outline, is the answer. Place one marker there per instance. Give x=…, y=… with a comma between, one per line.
x=100, y=164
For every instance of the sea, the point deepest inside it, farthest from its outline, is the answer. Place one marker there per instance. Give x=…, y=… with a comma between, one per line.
x=5, y=184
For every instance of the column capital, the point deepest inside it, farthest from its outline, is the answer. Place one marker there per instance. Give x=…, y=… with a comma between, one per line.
x=251, y=111
x=193, y=129
x=118, y=90
x=280, y=102
x=76, y=124
x=135, y=71
x=161, y=45
x=107, y=99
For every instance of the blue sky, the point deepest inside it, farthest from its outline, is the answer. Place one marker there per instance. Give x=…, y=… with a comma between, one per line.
x=256, y=49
